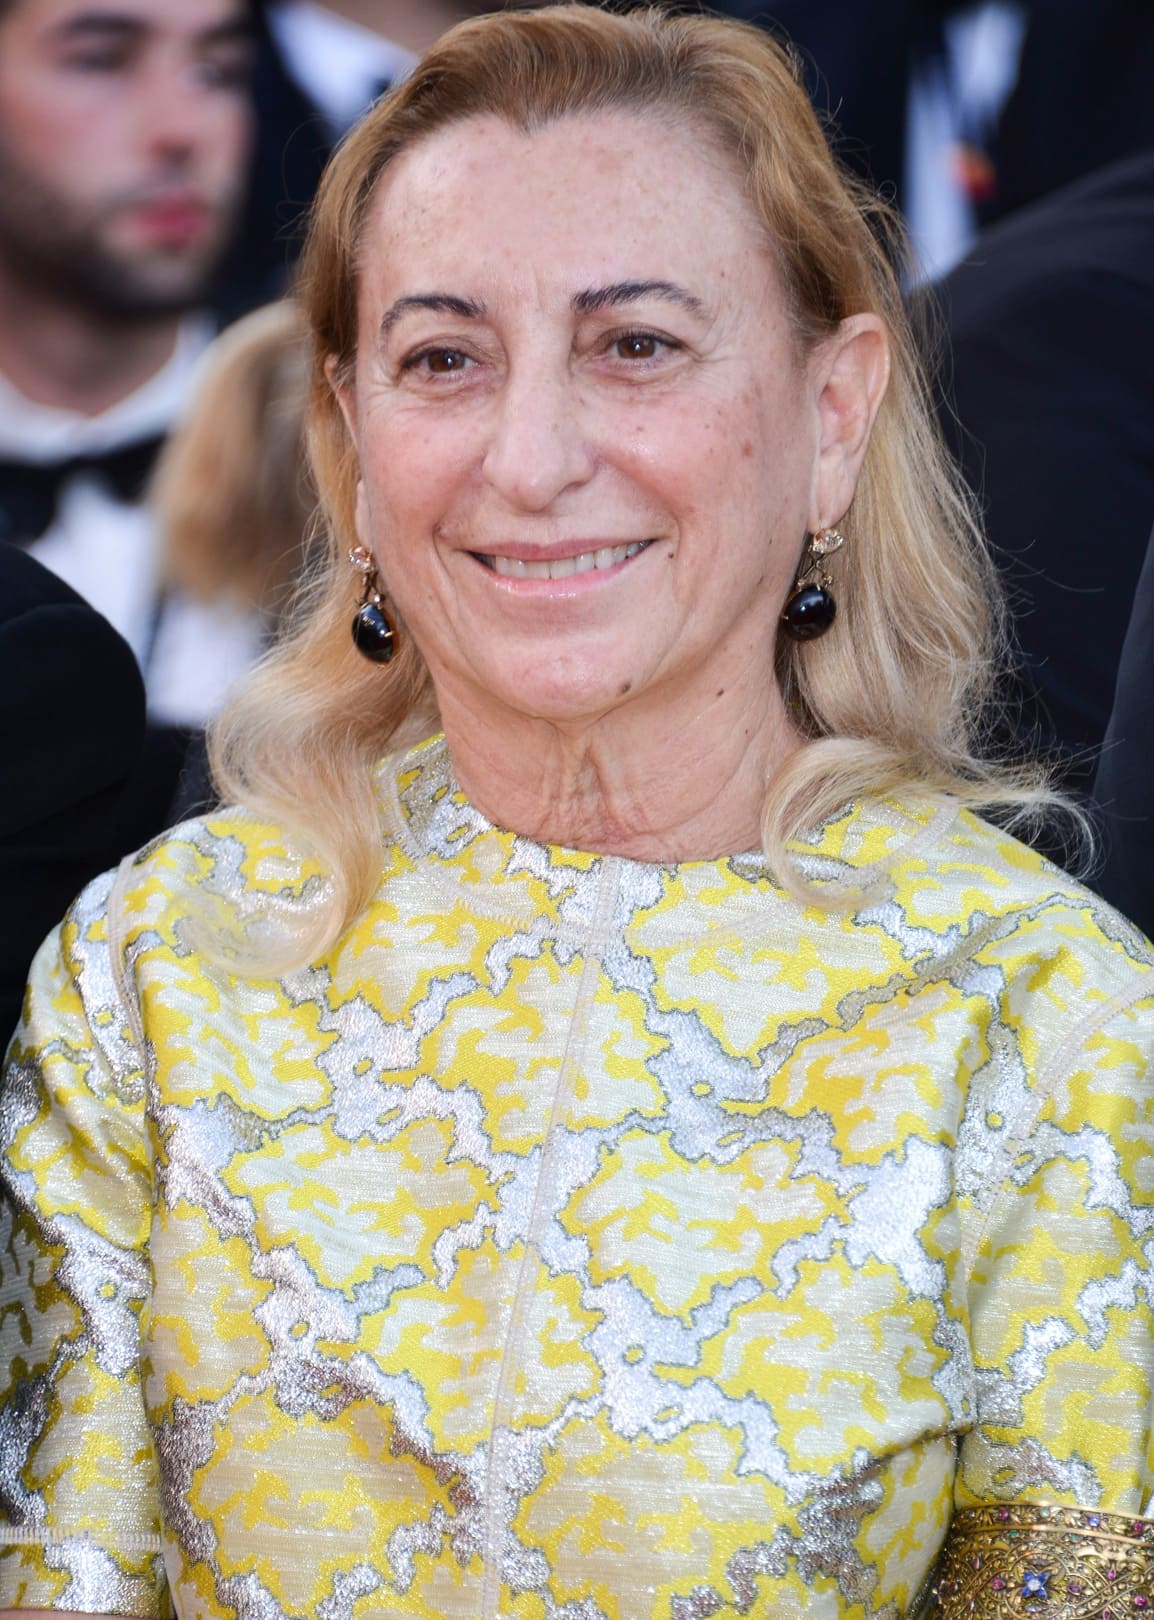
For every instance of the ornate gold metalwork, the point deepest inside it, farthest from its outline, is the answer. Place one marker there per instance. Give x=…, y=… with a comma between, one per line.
x=1030, y=1561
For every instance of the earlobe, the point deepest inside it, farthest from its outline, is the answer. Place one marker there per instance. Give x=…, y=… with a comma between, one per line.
x=855, y=367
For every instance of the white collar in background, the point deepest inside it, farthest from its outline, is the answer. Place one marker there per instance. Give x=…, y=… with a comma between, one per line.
x=337, y=63
x=33, y=432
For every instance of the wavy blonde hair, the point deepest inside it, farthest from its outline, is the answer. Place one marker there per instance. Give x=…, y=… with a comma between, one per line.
x=893, y=696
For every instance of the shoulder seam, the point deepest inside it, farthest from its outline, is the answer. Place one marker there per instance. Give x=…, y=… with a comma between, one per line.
x=1142, y=984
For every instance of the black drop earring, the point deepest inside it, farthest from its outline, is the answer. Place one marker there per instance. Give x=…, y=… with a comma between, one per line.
x=811, y=608
x=373, y=635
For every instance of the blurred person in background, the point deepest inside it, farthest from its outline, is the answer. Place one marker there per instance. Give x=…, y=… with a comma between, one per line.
x=66, y=676
x=912, y=91
x=319, y=65
x=1081, y=100
x=1124, y=782
x=232, y=494
x=1050, y=411
x=124, y=142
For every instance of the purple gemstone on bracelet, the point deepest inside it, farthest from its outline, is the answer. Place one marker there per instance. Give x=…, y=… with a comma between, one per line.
x=997, y=1583
x=1034, y=1585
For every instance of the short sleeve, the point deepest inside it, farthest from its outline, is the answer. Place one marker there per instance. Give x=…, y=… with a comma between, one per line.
x=1056, y=1476
x=79, y=1499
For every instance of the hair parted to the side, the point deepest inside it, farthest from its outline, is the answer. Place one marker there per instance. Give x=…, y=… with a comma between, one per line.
x=893, y=696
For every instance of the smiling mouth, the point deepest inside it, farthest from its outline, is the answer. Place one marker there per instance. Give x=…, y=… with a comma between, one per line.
x=585, y=562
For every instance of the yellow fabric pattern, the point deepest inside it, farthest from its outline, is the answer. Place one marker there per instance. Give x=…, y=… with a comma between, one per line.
x=581, y=1239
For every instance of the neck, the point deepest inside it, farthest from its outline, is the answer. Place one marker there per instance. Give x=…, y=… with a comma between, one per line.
x=645, y=781
x=59, y=356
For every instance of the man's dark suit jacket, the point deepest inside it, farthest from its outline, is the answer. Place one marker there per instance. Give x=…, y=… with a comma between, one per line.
x=1051, y=322
x=1082, y=99
x=71, y=725
x=1124, y=787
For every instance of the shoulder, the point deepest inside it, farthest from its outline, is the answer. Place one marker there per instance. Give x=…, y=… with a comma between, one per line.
x=1061, y=246
x=1065, y=976
x=72, y=717
x=28, y=585
x=217, y=877
x=203, y=897
x=955, y=898
x=39, y=612
x=978, y=878
x=992, y=869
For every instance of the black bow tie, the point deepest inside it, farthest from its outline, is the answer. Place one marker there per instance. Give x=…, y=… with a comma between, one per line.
x=30, y=491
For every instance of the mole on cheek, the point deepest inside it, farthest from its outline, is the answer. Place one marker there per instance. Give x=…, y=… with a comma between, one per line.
x=627, y=686
x=747, y=449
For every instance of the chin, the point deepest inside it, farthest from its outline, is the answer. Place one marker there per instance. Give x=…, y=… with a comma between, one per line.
x=573, y=702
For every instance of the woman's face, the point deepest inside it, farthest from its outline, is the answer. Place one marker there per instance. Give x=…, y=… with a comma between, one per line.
x=590, y=449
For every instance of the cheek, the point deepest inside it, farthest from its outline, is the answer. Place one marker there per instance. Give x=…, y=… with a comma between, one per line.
x=418, y=470
x=235, y=134
x=50, y=132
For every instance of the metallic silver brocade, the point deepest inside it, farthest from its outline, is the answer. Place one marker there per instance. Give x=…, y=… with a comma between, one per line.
x=581, y=1239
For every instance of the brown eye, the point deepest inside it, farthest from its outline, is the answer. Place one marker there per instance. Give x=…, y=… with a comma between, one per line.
x=637, y=346
x=444, y=361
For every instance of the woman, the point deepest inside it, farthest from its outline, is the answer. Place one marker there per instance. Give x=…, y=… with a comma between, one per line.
x=531, y=1202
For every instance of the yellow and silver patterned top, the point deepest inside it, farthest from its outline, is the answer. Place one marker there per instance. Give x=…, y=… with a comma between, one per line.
x=580, y=1239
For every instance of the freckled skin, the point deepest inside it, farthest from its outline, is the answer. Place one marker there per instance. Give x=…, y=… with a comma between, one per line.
x=543, y=438
x=495, y=413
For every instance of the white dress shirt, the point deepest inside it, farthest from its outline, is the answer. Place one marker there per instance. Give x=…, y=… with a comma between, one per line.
x=338, y=64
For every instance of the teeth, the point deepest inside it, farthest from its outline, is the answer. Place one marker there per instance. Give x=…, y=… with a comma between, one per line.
x=563, y=567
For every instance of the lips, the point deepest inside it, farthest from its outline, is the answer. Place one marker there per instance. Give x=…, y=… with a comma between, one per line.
x=175, y=221
x=583, y=562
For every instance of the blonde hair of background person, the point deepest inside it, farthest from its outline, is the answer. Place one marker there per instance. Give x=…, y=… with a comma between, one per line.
x=896, y=693
x=232, y=490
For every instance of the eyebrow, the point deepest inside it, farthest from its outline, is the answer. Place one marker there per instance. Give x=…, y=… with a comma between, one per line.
x=122, y=25
x=587, y=302
x=439, y=302
x=594, y=299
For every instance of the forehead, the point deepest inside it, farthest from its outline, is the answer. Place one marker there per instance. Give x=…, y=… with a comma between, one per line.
x=612, y=194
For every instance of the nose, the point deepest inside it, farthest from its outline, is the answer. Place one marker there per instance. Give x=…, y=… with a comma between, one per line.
x=539, y=445
x=177, y=112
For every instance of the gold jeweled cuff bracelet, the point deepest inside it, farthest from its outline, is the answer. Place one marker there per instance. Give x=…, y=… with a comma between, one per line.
x=1028, y=1561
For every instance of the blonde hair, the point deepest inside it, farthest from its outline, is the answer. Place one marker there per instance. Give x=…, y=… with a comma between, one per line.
x=893, y=695
x=232, y=491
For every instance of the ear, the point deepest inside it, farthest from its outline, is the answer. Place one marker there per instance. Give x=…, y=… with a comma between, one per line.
x=345, y=393
x=851, y=370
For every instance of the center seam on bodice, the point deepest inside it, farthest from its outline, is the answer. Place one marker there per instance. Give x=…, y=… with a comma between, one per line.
x=498, y=1505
